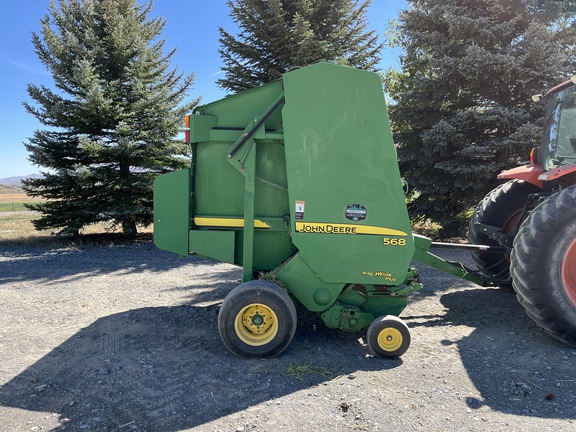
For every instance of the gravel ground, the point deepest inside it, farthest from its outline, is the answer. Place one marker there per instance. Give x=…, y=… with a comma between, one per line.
x=123, y=338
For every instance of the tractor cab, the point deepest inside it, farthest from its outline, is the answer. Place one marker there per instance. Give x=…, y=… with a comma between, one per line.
x=552, y=164
x=558, y=147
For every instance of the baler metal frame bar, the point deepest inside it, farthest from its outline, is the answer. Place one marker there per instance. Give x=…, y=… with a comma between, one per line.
x=247, y=167
x=484, y=248
x=250, y=133
x=423, y=255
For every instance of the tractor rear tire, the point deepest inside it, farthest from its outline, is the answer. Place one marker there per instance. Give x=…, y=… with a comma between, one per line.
x=500, y=208
x=543, y=265
x=257, y=320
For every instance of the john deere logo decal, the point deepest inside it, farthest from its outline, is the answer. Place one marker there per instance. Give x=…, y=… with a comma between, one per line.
x=336, y=228
x=355, y=212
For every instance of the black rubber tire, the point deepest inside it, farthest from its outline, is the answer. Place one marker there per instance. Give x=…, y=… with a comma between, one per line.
x=388, y=336
x=258, y=295
x=540, y=250
x=499, y=208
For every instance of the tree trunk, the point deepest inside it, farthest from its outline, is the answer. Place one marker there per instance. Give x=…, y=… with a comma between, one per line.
x=129, y=229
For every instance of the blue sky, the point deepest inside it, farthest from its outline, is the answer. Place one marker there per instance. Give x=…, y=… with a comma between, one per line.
x=192, y=27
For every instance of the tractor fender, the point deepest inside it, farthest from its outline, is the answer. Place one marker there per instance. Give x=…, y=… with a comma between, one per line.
x=528, y=173
x=566, y=175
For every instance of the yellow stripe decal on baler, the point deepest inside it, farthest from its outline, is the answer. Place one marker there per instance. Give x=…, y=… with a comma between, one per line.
x=328, y=228
x=227, y=222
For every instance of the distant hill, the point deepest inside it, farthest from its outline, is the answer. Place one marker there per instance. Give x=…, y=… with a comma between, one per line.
x=15, y=181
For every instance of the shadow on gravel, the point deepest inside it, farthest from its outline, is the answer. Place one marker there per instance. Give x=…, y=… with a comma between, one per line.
x=517, y=368
x=164, y=368
x=73, y=262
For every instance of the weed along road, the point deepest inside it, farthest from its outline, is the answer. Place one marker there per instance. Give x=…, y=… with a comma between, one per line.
x=121, y=337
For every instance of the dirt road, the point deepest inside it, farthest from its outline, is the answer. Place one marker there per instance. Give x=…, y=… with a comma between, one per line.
x=124, y=338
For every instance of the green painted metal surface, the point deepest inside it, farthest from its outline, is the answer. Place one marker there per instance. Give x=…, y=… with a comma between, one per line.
x=307, y=286
x=341, y=165
x=423, y=255
x=172, y=211
x=217, y=244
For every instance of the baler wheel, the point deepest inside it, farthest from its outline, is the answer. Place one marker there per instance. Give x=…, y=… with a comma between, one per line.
x=257, y=319
x=544, y=265
x=388, y=336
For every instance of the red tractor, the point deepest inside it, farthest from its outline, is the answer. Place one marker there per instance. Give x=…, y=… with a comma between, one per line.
x=533, y=215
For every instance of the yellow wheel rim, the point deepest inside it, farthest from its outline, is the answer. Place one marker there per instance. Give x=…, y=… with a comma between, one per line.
x=390, y=339
x=256, y=324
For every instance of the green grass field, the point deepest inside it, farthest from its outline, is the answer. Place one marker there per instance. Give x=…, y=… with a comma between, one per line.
x=12, y=199
x=13, y=206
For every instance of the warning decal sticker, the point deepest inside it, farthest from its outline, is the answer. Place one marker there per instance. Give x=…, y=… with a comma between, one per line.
x=299, y=210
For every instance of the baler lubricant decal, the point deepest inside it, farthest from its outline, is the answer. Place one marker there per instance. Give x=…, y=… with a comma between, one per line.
x=328, y=228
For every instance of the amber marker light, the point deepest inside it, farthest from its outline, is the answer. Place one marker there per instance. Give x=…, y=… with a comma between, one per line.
x=534, y=156
x=187, y=129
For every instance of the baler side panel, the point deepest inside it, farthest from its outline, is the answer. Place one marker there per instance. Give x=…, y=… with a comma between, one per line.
x=341, y=163
x=172, y=207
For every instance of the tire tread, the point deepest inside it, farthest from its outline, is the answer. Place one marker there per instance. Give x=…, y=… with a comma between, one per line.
x=530, y=252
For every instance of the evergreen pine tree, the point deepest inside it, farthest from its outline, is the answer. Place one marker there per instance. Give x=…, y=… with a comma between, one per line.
x=111, y=118
x=277, y=35
x=462, y=110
